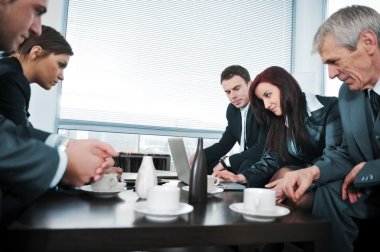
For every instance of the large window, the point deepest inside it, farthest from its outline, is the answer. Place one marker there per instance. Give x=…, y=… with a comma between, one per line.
x=153, y=67
x=332, y=86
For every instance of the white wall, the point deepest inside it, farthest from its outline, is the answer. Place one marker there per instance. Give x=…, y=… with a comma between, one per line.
x=307, y=68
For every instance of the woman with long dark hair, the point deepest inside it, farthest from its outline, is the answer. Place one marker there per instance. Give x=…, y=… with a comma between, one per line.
x=302, y=129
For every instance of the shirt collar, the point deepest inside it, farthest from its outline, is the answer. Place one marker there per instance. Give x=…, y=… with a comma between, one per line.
x=376, y=88
x=245, y=108
x=312, y=102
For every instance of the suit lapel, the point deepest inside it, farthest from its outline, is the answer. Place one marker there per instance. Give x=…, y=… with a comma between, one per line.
x=358, y=121
x=376, y=133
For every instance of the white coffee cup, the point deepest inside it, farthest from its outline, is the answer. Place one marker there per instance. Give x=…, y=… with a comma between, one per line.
x=212, y=182
x=107, y=183
x=163, y=199
x=259, y=200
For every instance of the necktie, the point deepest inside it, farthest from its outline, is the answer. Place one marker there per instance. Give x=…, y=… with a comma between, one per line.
x=375, y=102
x=242, y=137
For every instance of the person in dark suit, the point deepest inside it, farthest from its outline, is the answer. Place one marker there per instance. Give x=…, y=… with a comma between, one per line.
x=349, y=43
x=33, y=161
x=39, y=59
x=303, y=128
x=235, y=82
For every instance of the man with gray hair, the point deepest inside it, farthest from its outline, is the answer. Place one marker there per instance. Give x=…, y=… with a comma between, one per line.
x=348, y=42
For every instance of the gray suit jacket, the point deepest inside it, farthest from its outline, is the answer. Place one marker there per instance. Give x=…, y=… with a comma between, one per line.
x=27, y=167
x=358, y=138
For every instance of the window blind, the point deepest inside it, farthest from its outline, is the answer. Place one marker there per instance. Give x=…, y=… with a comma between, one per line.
x=157, y=64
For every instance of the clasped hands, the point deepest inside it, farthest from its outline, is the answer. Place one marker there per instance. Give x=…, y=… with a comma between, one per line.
x=88, y=160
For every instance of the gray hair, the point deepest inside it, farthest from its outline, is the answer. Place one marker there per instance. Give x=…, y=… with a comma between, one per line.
x=346, y=25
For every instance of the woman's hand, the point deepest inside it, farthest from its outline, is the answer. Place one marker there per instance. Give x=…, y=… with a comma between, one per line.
x=226, y=175
x=277, y=186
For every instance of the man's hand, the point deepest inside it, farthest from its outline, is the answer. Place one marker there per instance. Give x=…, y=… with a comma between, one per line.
x=230, y=176
x=219, y=167
x=87, y=160
x=295, y=183
x=348, y=190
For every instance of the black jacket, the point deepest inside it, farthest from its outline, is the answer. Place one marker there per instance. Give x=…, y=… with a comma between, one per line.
x=325, y=131
x=255, y=134
x=14, y=92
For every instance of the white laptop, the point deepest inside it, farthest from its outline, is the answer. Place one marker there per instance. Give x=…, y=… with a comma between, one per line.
x=181, y=163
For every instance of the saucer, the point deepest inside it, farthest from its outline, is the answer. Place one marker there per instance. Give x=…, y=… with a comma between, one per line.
x=106, y=194
x=259, y=216
x=210, y=192
x=142, y=207
x=128, y=196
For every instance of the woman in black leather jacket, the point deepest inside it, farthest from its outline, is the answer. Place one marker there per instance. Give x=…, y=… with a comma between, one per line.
x=303, y=128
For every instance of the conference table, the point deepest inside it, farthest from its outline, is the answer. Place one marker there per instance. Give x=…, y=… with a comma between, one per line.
x=76, y=220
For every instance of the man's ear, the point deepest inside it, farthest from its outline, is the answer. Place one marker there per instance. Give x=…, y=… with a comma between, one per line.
x=369, y=41
x=35, y=52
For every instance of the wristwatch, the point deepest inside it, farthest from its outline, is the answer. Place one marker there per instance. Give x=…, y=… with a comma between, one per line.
x=223, y=163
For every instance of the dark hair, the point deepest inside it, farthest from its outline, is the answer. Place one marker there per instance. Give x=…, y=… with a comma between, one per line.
x=233, y=70
x=293, y=106
x=50, y=40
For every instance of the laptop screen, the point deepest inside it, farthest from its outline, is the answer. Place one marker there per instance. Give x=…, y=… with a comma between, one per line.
x=181, y=163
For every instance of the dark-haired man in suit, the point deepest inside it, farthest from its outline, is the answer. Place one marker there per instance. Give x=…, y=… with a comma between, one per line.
x=242, y=127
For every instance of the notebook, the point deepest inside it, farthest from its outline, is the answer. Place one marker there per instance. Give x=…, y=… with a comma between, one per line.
x=181, y=163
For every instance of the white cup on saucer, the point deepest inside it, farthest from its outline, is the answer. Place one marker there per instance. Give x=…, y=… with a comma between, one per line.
x=259, y=200
x=107, y=183
x=212, y=183
x=163, y=199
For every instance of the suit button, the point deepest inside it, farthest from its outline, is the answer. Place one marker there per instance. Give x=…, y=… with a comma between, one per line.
x=377, y=138
x=371, y=177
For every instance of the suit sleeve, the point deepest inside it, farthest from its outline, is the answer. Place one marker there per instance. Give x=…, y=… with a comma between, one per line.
x=261, y=172
x=369, y=175
x=27, y=166
x=225, y=144
x=29, y=132
x=335, y=161
x=244, y=160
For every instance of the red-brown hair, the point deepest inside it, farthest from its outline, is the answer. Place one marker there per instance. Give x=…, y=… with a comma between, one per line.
x=293, y=106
